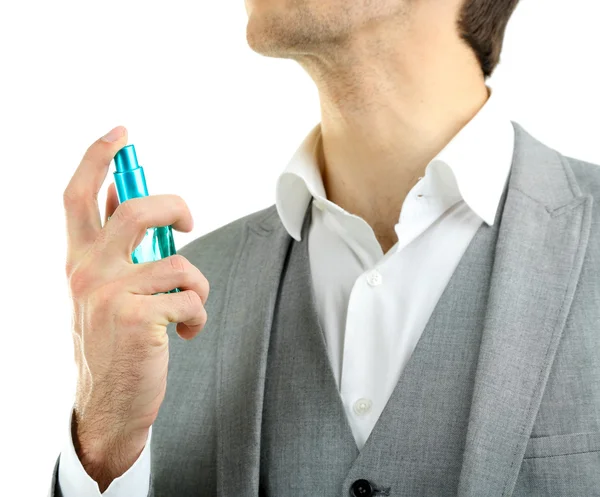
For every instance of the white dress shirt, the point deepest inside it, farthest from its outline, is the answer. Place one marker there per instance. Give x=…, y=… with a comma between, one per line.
x=372, y=307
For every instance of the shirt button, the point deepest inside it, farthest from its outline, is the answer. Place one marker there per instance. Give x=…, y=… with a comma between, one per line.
x=361, y=488
x=362, y=406
x=374, y=278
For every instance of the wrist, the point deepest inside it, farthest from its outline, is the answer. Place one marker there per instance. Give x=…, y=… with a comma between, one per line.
x=106, y=454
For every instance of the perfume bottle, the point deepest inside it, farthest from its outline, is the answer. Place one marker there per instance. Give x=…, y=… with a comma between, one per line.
x=130, y=181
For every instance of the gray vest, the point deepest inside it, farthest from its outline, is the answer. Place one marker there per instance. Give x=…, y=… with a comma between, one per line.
x=416, y=447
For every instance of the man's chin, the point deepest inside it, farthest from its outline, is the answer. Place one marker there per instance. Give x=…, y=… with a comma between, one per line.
x=276, y=36
x=265, y=40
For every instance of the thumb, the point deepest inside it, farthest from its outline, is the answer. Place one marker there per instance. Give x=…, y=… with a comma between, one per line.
x=112, y=202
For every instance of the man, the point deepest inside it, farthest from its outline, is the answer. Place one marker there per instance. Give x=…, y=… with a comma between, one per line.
x=418, y=314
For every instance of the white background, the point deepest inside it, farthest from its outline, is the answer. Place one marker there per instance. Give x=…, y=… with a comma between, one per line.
x=213, y=122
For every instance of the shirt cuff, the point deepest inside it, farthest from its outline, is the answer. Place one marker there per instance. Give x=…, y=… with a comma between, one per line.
x=75, y=482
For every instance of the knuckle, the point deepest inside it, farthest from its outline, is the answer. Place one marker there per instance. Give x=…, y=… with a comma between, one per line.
x=204, y=317
x=196, y=279
x=79, y=281
x=90, y=150
x=128, y=212
x=70, y=197
x=178, y=263
x=192, y=301
x=181, y=204
x=204, y=287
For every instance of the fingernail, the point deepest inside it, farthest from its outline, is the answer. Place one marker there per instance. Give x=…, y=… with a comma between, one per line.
x=114, y=134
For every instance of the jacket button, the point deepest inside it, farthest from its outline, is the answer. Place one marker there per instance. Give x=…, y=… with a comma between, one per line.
x=361, y=488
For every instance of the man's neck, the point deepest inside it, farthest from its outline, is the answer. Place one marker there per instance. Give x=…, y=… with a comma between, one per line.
x=387, y=109
x=369, y=166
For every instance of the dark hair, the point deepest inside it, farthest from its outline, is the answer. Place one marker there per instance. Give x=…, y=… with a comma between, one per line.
x=482, y=23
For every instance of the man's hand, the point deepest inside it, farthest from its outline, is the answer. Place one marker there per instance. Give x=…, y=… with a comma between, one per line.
x=119, y=326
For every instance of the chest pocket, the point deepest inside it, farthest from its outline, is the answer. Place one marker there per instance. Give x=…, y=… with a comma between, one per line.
x=560, y=465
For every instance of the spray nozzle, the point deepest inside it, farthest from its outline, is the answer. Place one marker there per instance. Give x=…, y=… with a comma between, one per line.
x=126, y=159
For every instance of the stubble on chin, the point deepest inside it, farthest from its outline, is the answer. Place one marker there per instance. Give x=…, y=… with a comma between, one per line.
x=298, y=32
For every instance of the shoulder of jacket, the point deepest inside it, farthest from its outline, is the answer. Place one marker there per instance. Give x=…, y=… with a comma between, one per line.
x=222, y=243
x=587, y=175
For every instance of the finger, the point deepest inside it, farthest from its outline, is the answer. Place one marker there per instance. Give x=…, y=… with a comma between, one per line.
x=163, y=275
x=80, y=198
x=112, y=202
x=128, y=224
x=184, y=308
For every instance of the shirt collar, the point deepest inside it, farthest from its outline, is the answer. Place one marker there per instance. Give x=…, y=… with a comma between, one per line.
x=473, y=165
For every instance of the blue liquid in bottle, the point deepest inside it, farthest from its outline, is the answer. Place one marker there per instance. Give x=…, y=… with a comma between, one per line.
x=130, y=181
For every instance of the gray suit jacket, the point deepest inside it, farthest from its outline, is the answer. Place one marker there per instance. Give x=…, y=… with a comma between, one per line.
x=534, y=425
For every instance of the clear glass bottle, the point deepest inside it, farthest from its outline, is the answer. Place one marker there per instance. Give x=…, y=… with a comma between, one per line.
x=130, y=181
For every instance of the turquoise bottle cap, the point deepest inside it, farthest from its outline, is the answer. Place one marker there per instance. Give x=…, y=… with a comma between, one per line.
x=129, y=175
x=126, y=159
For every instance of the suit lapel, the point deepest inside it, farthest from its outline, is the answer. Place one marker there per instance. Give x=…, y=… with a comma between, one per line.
x=243, y=346
x=539, y=253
